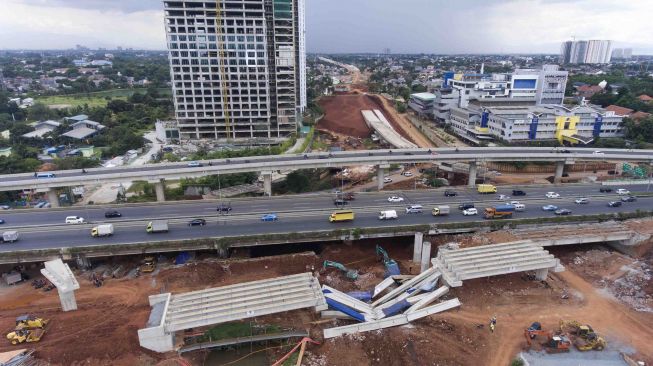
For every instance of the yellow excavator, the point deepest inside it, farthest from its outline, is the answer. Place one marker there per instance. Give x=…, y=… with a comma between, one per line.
x=30, y=322
x=149, y=265
x=585, y=339
x=29, y=328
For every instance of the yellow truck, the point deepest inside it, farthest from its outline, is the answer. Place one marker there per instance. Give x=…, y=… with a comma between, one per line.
x=339, y=216
x=486, y=188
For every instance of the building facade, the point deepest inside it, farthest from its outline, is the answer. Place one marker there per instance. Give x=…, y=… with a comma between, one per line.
x=586, y=52
x=237, y=67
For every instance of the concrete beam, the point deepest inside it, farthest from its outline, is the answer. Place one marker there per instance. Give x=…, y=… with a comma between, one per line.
x=429, y=298
x=406, y=285
x=159, y=189
x=433, y=309
x=53, y=198
x=471, y=181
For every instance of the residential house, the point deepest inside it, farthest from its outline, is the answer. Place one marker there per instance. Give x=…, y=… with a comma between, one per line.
x=645, y=98
x=77, y=118
x=587, y=91
x=639, y=116
x=619, y=111
x=84, y=129
x=101, y=63
x=42, y=128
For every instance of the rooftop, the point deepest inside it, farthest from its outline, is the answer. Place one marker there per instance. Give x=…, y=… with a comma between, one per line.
x=424, y=96
x=80, y=133
x=618, y=110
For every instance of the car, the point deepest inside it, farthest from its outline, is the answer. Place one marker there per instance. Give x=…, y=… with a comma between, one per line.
x=552, y=195
x=224, y=207
x=349, y=196
x=269, y=217
x=549, y=207
x=614, y=204
x=465, y=206
x=582, y=201
x=622, y=191
x=337, y=191
x=503, y=197
x=74, y=220
x=597, y=152
x=197, y=222
x=5, y=207
x=605, y=189
x=563, y=212
x=628, y=199
x=44, y=175
x=387, y=180
x=340, y=202
x=470, y=212
x=407, y=174
x=414, y=209
x=112, y=213
x=514, y=203
x=2, y=221
x=450, y=193
x=194, y=164
x=395, y=199
x=565, y=151
x=518, y=192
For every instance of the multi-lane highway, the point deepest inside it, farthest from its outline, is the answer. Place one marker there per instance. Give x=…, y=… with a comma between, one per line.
x=45, y=229
x=154, y=172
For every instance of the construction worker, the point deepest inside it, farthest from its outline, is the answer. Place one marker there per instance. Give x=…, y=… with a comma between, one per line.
x=493, y=323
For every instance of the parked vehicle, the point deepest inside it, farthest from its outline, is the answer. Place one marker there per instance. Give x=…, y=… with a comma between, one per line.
x=157, y=226
x=549, y=207
x=614, y=204
x=518, y=192
x=395, y=199
x=449, y=193
x=74, y=220
x=552, y=195
x=102, y=230
x=605, y=189
x=470, y=212
x=582, y=201
x=628, y=199
x=499, y=212
x=486, y=188
x=563, y=212
x=622, y=191
x=464, y=206
x=440, y=210
x=388, y=215
x=112, y=213
x=197, y=222
x=341, y=216
x=9, y=236
x=414, y=209
x=269, y=217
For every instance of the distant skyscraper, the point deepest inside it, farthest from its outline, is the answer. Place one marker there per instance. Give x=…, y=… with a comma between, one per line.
x=586, y=52
x=238, y=67
x=622, y=53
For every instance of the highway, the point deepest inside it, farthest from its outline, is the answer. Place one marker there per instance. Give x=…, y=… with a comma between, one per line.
x=155, y=172
x=44, y=229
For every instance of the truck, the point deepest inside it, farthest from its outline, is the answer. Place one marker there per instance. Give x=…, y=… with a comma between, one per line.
x=440, y=211
x=388, y=215
x=148, y=265
x=486, y=188
x=9, y=236
x=340, y=216
x=499, y=212
x=157, y=226
x=102, y=230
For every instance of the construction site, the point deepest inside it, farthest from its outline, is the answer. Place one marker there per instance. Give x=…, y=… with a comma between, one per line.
x=465, y=299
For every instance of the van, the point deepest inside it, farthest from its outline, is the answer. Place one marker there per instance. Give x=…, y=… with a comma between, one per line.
x=74, y=220
x=388, y=215
x=414, y=209
x=486, y=188
x=45, y=175
x=340, y=216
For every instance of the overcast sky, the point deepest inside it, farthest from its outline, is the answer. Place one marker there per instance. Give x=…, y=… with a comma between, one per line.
x=407, y=26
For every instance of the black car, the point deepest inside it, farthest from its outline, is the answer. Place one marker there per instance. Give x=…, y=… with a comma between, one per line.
x=518, y=192
x=112, y=213
x=563, y=212
x=464, y=206
x=197, y=222
x=614, y=204
x=450, y=193
x=605, y=190
x=340, y=202
x=629, y=199
x=224, y=207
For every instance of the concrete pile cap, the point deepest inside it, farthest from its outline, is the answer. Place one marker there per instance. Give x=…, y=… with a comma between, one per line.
x=59, y=273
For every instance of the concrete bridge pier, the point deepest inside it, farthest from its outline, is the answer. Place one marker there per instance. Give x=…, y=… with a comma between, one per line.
x=267, y=183
x=471, y=182
x=380, y=175
x=53, y=197
x=560, y=169
x=542, y=274
x=417, y=247
x=426, y=256
x=159, y=189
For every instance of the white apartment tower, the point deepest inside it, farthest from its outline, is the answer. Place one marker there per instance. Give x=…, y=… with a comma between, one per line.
x=238, y=67
x=586, y=52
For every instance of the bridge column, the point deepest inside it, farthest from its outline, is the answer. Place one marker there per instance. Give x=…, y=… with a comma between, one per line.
x=380, y=175
x=426, y=256
x=267, y=183
x=417, y=247
x=159, y=189
x=560, y=168
x=53, y=197
x=541, y=274
x=471, y=182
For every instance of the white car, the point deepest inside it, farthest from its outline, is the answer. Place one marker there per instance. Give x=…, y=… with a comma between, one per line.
x=395, y=199
x=622, y=191
x=74, y=220
x=470, y=212
x=387, y=180
x=582, y=200
x=503, y=197
x=407, y=174
x=552, y=195
x=598, y=152
x=514, y=203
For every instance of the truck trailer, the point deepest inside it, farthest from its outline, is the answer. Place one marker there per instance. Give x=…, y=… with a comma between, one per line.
x=499, y=212
x=102, y=230
x=486, y=188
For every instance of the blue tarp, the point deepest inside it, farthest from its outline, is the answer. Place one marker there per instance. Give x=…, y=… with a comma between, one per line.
x=182, y=257
x=396, y=308
x=361, y=295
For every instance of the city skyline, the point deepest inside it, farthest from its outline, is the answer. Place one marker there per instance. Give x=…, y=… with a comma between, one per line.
x=435, y=28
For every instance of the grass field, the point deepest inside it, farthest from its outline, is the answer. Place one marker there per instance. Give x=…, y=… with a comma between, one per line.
x=94, y=99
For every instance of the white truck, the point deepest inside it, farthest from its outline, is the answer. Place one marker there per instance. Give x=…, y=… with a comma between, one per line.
x=9, y=236
x=388, y=215
x=157, y=226
x=440, y=210
x=102, y=230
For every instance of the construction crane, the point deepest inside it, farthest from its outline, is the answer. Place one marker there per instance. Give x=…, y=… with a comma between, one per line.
x=391, y=266
x=352, y=274
x=553, y=344
x=224, y=90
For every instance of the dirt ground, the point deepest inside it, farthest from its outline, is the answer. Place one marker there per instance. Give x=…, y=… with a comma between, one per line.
x=109, y=317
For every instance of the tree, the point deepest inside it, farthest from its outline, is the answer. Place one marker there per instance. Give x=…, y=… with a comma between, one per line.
x=41, y=112
x=118, y=105
x=297, y=182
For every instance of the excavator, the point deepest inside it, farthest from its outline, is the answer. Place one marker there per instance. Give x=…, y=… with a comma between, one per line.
x=30, y=322
x=553, y=344
x=148, y=265
x=352, y=274
x=391, y=266
x=585, y=339
x=29, y=328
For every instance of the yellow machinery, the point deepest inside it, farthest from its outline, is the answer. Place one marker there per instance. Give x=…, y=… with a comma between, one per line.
x=585, y=337
x=30, y=322
x=149, y=265
x=25, y=335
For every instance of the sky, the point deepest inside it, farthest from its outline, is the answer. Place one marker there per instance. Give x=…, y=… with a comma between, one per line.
x=347, y=26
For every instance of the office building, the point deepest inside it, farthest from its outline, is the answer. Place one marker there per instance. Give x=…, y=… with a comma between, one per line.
x=237, y=67
x=586, y=52
x=622, y=53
